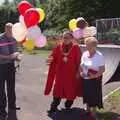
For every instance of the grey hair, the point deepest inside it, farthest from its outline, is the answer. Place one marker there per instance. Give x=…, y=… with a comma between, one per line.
x=92, y=40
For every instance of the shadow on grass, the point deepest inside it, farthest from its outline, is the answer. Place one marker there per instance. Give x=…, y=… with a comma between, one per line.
x=109, y=116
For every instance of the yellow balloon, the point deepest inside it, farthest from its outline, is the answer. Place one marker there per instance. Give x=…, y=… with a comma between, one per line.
x=73, y=24
x=42, y=14
x=29, y=44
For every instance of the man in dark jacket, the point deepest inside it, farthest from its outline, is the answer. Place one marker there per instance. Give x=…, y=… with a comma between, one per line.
x=8, y=56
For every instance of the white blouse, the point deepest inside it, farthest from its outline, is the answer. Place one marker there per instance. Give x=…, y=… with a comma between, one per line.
x=93, y=62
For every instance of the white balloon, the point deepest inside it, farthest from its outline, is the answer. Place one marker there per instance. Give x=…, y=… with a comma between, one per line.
x=19, y=31
x=34, y=33
x=93, y=30
x=89, y=31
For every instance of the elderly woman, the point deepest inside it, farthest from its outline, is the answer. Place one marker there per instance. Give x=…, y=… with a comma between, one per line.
x=93, y=67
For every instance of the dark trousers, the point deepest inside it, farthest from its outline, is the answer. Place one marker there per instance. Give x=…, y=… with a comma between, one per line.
x=7, y=73
x=56, y=102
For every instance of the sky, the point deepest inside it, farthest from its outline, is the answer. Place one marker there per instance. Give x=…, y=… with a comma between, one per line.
x=1, y=1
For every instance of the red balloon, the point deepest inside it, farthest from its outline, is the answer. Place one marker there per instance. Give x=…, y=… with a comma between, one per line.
x=23, y=7
x=31, y=17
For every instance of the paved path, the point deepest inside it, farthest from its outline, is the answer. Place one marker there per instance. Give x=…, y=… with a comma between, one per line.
x=30, y=86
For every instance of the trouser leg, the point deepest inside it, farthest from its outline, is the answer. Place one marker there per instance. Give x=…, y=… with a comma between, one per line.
x=11, y=87
x=68, y=103
x=3, y=102
x=55, y=103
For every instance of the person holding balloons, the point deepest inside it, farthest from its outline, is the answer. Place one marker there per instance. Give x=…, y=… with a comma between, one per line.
x=8, y=56
x=64, y=71
x=82, y=23
x=77, y=27
x=80, y=28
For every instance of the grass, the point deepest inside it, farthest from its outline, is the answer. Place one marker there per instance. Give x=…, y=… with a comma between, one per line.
x=111, y=107
x=42, y=53
x=37, y=52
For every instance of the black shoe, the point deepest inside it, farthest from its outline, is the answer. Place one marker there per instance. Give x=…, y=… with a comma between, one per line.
x=67, y=110
x=52, y=111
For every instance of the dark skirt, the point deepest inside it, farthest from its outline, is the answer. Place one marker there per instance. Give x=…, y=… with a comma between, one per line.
x=92, y=92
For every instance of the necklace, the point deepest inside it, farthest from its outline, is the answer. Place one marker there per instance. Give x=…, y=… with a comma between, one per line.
x=65, y=55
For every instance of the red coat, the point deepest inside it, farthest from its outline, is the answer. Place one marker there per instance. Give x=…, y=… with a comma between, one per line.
x=63, y=75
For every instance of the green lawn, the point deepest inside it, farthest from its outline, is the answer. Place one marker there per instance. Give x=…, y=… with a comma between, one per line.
x=111, y=107
x=43, y=53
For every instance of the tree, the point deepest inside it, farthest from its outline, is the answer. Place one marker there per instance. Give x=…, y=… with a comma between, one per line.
x=8, y=13
x=6, y=2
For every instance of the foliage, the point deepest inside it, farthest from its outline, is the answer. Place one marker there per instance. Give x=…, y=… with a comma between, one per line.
x=59, y=12
x=8, y=13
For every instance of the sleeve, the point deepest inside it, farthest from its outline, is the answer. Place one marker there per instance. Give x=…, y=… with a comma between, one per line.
x=14, y=46
x=79, y=81
x=101, y=60
x=78, y=56
x=51, y=73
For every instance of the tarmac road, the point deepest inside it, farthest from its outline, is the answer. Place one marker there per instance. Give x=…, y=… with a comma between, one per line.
x=30, y=85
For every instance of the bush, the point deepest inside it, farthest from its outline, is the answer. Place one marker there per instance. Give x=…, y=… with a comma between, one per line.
x=8, y=13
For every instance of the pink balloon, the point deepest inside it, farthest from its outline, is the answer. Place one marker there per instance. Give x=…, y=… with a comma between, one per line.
x=21, y=20
x=41, y=42
x=34, y=32
x=77, y=33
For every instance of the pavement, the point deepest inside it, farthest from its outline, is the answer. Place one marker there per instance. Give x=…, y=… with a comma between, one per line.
x=30, y=83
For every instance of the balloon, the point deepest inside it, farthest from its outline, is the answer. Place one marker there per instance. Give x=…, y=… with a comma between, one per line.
x=31, y=17
x=89, y=31
x=23, y=6
x=41, y=42
x=41, y=13
x=73, y=24
x=21, y=20
x=29, y=44
x=34, y=32
x=93, y=30
x=23, y=41
x=19, y=31
x=77, y=33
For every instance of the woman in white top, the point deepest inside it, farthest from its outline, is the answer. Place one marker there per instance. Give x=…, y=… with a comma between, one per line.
x=93, y=67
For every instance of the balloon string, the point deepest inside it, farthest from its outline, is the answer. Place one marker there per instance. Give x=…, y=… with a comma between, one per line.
x=7, y=43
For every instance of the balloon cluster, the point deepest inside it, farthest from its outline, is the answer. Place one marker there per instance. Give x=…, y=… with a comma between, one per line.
x=80, y=28
x=26, y=31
